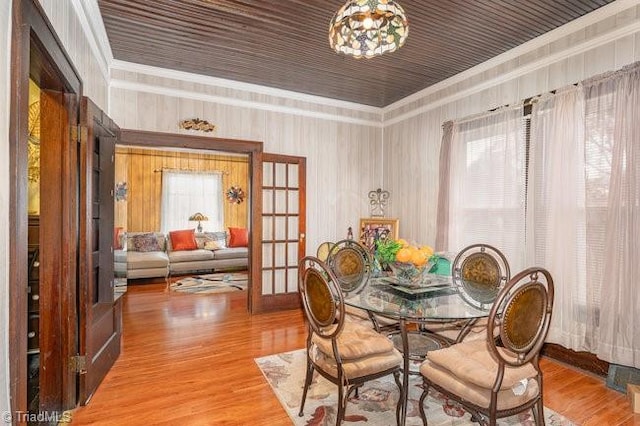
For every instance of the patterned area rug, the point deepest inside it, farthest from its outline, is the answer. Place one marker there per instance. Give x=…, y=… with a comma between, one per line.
x=376, y=404
x=212, y=283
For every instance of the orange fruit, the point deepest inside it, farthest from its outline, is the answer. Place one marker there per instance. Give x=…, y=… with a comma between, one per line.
x=403, y=242
x=403, y=255
x=418, y=258
x=428, y=251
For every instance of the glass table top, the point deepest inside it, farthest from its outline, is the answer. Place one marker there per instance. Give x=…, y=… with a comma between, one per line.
x=437, y=298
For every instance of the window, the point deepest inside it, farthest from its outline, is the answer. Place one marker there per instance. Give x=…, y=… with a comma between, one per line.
x=578, y=169
x=186, y=193
x=487, y=183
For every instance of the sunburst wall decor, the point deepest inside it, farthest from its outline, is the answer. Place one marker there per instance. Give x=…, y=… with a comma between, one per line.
x=235, y=195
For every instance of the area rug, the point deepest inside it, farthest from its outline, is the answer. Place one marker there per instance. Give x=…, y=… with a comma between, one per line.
x=376, y=403
x=211, y=283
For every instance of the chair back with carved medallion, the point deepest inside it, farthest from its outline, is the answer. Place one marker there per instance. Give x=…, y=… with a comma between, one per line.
x=350, y=262
x=521, y=316
x=480, y=271
x=322, y=299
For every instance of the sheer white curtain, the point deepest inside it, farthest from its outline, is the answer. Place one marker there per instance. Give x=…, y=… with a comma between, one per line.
x=185, y=193
x=584, y=212
x=487, y=183
x=556, y=220
x=619, y=338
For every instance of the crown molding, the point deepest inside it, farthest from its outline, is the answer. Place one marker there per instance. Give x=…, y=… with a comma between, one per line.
x=204, y=97
x=569, y=28
x=236, y=85
x=88, y=14
x=576, y=49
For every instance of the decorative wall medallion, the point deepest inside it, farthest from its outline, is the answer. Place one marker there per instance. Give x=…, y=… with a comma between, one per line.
x=378, y=202
x=197, y=124
x=121, y=191
x=235, y=195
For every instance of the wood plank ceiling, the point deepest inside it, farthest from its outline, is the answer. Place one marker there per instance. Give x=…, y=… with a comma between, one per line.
x=284, y=43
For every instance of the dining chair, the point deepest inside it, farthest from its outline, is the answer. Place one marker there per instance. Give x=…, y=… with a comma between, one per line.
x=492, y=381
x=351, y=263
x=478, y=271
x=323, y=250
x=346, y=353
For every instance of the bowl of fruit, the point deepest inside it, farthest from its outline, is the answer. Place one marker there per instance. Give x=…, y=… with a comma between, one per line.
x=408, y=262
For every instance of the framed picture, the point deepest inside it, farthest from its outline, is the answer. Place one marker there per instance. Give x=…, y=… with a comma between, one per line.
x=375, y=228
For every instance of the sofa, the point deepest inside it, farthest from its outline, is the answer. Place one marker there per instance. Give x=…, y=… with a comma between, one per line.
x=151, y=255
x=205, y=257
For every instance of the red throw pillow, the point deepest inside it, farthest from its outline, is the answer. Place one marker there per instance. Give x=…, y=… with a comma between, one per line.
x=238, y=237
x=117, y=240
x=183, y=240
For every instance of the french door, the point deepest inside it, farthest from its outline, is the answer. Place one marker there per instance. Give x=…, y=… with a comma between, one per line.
x=282, y=231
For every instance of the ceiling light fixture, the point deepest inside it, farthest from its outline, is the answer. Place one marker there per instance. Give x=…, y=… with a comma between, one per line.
x=368, y=28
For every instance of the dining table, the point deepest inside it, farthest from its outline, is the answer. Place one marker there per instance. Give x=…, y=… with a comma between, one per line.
x=435, y=299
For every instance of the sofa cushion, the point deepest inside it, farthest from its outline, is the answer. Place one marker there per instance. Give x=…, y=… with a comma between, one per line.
x=144, y=260
x=219, y=237
x=238, y=237
x=146, y=242
x=212, y=240
x=190, y=255
x=231, y=253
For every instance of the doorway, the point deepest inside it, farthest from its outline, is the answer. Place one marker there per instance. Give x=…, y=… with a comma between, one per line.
x=278, y=222
x=163, y=190
x=43, y=240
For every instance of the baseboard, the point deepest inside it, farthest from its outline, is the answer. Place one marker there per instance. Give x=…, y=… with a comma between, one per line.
x=583, y=360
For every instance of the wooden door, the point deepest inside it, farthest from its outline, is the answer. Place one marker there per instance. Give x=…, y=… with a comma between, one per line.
x=283, y=227
x=99, y=315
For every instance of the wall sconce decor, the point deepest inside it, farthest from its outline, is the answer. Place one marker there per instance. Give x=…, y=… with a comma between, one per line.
x=378, y=202
x=121, y=191
x=235, y=195
x=199, y=217
x=197, y=124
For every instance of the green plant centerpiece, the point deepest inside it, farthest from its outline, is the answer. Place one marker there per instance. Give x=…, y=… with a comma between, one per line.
x=386, y=250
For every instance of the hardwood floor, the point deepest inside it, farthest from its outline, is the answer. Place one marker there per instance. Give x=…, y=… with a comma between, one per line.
x=189, y=360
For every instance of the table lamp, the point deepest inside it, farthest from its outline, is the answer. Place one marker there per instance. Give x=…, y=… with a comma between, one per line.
x=198, y=217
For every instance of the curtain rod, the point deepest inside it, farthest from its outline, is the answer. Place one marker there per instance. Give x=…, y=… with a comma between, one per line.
x=166, y=169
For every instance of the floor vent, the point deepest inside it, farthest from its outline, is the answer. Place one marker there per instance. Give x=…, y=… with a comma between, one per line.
x=620, y=375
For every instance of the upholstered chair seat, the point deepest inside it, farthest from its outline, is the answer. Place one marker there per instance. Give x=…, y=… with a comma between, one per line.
x=469, y=370
x=363, y=351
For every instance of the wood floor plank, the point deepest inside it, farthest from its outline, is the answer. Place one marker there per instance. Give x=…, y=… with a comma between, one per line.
x=189, y=360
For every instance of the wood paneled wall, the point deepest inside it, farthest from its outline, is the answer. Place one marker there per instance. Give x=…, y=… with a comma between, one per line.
x=141, y=169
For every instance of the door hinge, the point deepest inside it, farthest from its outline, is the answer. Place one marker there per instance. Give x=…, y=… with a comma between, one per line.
x=78, y=364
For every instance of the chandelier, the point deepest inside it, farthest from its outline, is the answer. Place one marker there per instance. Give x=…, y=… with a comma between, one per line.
x=368, y=28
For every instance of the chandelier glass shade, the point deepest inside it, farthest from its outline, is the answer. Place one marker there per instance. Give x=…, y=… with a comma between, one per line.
x=368, y=28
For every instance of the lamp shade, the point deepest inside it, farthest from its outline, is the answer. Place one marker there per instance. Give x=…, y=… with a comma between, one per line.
x=368, y=28
x=198, y=216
